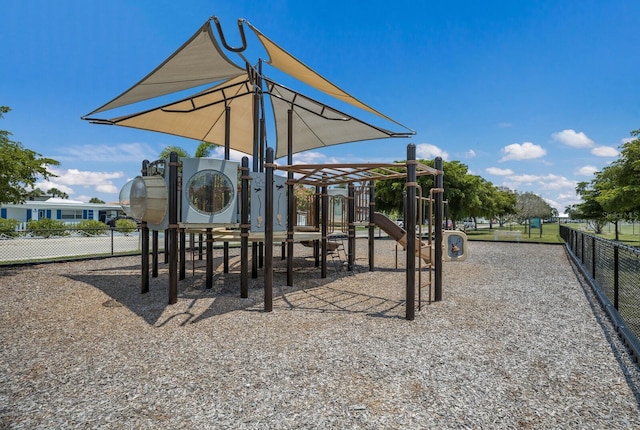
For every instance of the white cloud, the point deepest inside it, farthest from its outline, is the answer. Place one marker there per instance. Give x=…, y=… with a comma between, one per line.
x=427, y=151
x=67, y=180
x=525, y=151
x=470, y=154
x=218, y=152
x=498, y=171
x=538, y=182
x=627, y=139
x=47, y=185
x=572, y=138
x=83, y=177
x=586, y=171
x=311, y=157
x=605, y=151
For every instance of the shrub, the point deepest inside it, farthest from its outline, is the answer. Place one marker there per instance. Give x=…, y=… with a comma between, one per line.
x=126, y=226
x=8, y=227
x=91, y=227
x=47, y=227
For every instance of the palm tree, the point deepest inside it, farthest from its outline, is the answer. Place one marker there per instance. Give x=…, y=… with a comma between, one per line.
x=178, y=150
x=202, y=151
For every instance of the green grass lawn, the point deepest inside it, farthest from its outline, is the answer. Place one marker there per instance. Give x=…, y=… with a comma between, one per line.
x=629, y=233
x=550, y=234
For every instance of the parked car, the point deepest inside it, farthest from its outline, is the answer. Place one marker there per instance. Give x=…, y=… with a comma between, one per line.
x=469, y=225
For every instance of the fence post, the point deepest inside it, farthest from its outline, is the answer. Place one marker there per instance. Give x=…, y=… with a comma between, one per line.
x=616, y=269
x=593, y=257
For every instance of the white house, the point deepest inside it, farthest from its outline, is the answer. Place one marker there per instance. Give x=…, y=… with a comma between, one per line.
x=68, y=211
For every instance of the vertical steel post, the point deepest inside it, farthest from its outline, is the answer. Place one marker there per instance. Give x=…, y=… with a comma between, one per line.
x=372, y=232
x=325, y=226
x=173, y=228
x=291, y=200
x=316, y=223
x=244, y=229
x=616, y=276
x=351, y=219
x=155, y=246
x=144, y=232
x=268, y=232
x=183, y=254
x=593, y=257
x=410, y=226
x=209, y=280
x=227, y=155
x=439, y=180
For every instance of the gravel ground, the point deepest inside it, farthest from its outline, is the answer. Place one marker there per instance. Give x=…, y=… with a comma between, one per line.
x=515, y=343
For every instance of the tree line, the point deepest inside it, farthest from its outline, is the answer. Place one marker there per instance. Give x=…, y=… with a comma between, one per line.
x=613, y=194
x=467, y=196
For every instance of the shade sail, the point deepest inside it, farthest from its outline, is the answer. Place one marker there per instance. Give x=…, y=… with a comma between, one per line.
x=202, y=116
x=287, y=63
x=199, y=61
x=315, y=125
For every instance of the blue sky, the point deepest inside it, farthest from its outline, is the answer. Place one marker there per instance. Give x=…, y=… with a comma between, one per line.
x=532, y=95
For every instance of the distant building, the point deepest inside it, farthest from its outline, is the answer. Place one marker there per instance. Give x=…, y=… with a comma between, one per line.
x=68, y=211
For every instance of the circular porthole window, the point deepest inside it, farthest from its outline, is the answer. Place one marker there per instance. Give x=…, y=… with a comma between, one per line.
x=209, y=192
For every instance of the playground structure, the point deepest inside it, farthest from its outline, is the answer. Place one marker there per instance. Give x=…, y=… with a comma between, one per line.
x=208, y=196
x=255, y=217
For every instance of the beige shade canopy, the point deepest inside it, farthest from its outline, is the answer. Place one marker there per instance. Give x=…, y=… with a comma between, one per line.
x=199, y=61
x=287, y=63
x=202, y=117
x=314, y=125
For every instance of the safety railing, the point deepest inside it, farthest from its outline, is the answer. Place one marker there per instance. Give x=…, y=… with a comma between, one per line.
x=24, y=246
x=613, y=270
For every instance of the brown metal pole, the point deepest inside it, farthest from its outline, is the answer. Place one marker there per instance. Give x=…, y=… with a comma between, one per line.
x=183, y=254
x=268, y=233
x=316, y=216
x=351, y=219
x=410, y=225
x=209, y=280
x=227, y=155
x=291, y=209
x=372, y=231
x=144, y=231
x=437, y=290
x=325, y=220
x=173, y=228
x=244, y=229
x=154, y=253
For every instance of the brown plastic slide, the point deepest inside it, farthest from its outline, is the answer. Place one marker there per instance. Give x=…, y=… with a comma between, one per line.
x=399, y=234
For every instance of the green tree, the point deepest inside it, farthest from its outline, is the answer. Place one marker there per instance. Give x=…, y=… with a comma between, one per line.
x=619, y=182
x=505, y=204
x=590, y=209
x=35, y=193
x=96, y=200
x=530, y=205
x=20, y=167
x=182, y=153
x=57, y=193
x=204, y=150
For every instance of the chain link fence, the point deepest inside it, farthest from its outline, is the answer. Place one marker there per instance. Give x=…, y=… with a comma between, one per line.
x=26, y=246
x=614, y=269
